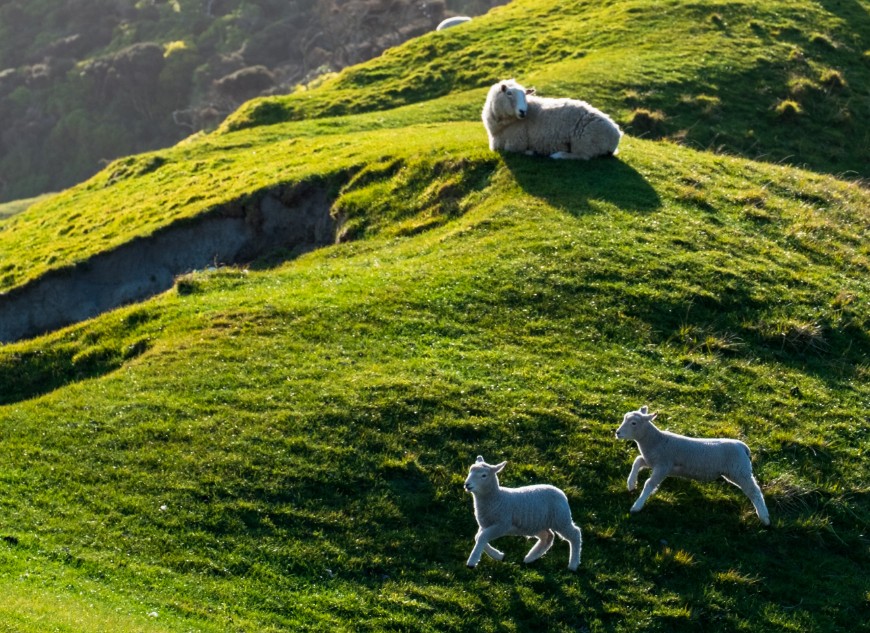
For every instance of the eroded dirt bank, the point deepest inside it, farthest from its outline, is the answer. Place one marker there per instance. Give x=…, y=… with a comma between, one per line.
x=284, y=218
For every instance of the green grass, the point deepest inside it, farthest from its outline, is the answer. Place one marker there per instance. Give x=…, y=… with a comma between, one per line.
x=716, y=70
x=282, y=446
x=677, y=62
x=8, y=209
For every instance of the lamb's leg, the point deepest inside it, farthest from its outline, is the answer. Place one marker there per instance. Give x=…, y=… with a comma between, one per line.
x=751, y=489
x=639, y=463
x=575, y=543
x=545, y=542
x=481, y=540
x=493, y=552
x=657, y=477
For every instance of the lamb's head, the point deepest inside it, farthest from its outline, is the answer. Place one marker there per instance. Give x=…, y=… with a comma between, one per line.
x=634, y=423
x=509, y=100
x=483, y=477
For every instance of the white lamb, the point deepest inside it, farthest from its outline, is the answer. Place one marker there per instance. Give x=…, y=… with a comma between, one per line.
x=668, y=454
x=518, y=121
x=532, y=511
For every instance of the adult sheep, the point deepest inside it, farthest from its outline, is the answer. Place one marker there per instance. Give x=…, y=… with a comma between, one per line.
x=451, y=22
x=668, y=454
x=518, y=121
x=539, y=511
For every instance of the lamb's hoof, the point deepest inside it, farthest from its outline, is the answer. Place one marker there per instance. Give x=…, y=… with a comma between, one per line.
x=573, y=568
x=470, y=566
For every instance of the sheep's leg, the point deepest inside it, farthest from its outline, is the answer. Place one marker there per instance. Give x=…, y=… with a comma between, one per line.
x=751, y=489
x=545, y=542
x=639, y=463
x=481, y=540
x=657, y=477
x=493, y=552
x=575, y=543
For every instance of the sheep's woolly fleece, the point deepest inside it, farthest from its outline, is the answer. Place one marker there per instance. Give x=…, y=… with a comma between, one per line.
x=539, y=511
x=518, y=121
x=669, y=454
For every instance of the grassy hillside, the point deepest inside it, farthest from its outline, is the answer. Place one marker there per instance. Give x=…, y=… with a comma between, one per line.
x=782, y=81
x=282, y=446
x=8, y=209
x=678, y=71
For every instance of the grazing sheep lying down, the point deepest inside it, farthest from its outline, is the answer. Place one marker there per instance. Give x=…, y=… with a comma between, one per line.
x=700, y=459
x=533, y=511
x=517, y=121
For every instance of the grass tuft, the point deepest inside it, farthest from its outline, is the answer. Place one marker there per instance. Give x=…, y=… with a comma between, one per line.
x=833, y=80
x=645, y=122
x=788, y=110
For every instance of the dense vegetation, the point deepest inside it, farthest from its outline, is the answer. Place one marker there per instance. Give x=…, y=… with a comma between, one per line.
x=83, y=82
x=282, y=446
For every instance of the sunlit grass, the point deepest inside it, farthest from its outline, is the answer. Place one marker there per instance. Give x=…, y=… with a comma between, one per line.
x=281, y=445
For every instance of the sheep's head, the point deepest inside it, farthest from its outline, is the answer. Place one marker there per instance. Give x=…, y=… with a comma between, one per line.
x=634, y=423
x=510, y=99
x=482, y=476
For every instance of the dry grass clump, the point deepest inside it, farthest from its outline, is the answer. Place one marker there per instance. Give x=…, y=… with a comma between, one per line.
x=802, y=336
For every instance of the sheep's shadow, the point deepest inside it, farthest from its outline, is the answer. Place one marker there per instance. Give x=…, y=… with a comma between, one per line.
x=572, y=185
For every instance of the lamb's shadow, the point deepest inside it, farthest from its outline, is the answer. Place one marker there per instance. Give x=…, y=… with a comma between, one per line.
x=573, y=185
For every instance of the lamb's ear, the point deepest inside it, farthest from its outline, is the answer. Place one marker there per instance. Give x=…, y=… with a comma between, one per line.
x=504, y=87
x=499, y=467
x=653, y=416
x=644, y=409
x=480, y=460
x=530, y=91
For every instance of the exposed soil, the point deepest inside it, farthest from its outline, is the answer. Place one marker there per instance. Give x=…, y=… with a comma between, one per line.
x=296, y=217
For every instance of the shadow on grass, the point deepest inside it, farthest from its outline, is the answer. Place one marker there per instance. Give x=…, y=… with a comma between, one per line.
x=89, y=353
x=571, y=185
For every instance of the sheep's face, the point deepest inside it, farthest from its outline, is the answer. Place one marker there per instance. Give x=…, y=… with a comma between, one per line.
x=482, y=476
x=634, y=423
x=511, y=99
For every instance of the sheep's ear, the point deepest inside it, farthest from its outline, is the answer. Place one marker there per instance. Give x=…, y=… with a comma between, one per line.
x=479, y=459
x=644, y=409
x=504, y=87
x=499, y=467
x=530, y=91
x=653, y=416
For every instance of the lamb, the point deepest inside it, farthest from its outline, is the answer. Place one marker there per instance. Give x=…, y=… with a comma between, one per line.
x=668, y=454
x=533, y=511
x=518, y=121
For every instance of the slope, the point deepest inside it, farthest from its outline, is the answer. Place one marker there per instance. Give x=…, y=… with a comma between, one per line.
x=632, y=58
x=781, y=81
x=282, y=446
